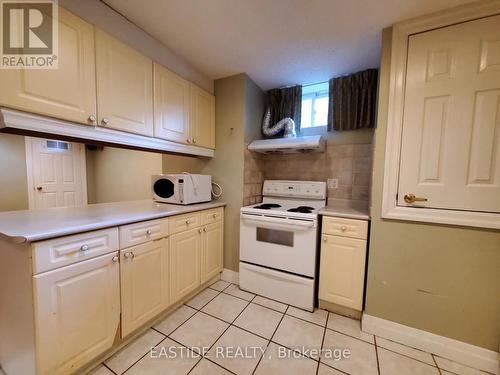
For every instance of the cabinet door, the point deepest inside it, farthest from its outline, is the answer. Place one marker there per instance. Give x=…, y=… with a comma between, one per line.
x=211, y=250
x=144, y=283
x=202, y=117
x=185, y=249
x=171, y=105
x=77, y=313
x=68, y=92
x=342, y=271
x=124, y=86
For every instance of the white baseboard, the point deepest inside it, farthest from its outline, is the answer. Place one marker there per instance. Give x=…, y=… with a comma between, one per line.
x=230, y=276
x=461, y=352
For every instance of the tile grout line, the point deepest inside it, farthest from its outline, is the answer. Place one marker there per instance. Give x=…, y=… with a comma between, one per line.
x=144, y=354
x=376, y=354
x=323, y=341
x=109, y=368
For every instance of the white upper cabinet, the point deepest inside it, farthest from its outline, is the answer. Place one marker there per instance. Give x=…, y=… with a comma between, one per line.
x=450, y=151
x=171, y=105
x=124, y=86
x=202, y=130
x=68, y=92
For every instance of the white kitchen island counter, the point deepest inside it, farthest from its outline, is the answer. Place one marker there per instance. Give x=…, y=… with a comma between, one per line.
x=37, y=225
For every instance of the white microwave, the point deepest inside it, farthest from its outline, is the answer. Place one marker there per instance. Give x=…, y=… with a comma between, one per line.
x=182, y=188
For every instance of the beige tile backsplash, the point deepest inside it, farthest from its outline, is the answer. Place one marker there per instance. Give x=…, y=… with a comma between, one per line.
x=351, y=164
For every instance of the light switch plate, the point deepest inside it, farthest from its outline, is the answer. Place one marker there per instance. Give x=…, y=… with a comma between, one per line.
x=332, y=183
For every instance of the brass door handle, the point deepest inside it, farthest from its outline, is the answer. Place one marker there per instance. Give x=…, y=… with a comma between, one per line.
x=411, y=198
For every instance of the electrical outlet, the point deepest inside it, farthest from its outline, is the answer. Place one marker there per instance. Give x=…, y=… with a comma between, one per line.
x=333, y=183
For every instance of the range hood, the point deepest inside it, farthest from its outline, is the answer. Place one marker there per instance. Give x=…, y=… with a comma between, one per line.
x=290, y=145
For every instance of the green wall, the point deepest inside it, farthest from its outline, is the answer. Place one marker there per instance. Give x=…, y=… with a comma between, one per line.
x=441, y=279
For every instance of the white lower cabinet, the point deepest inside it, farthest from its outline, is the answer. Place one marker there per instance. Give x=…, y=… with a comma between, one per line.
x=77, y=313
x=343, y=262
x=211, y=250
x=144, y=283
x=185, y=254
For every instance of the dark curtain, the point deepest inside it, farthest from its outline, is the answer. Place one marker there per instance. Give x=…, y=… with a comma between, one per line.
x=286, y=102
x=353, y=101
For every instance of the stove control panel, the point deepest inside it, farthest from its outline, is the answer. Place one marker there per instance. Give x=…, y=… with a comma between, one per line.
x=296, y=189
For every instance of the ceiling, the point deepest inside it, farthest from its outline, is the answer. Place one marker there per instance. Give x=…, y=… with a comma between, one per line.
x=276, y=42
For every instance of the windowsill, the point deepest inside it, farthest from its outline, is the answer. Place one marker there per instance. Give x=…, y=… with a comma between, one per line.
x=316, y=130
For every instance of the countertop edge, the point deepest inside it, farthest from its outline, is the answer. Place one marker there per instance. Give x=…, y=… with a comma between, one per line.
x=328, y=212
x=108, y=224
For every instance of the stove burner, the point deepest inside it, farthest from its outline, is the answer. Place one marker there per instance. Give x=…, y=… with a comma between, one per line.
x=267, y=206
x=302, y=209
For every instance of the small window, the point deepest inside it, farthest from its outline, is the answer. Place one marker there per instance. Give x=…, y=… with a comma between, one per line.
x=314, y=105
x=57, y=145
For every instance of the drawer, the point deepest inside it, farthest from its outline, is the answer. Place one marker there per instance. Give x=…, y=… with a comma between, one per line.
x=345, y=227
x=59, y=252
x=184, y=222
x=212, y=216
x=135, y=234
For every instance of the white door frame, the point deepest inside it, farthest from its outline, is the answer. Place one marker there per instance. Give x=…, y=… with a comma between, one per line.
x=29, y=172
x=399, y=49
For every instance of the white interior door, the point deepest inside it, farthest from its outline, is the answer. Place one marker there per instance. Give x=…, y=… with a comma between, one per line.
x=450, y=151
x=56, y=173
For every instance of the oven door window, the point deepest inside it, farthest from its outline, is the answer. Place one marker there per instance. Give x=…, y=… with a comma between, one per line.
x=275, y=236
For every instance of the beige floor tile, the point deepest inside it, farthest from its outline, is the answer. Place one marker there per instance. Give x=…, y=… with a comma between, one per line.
x=130, y=354
x=167, y=358
x=174, y=320
x=205, y=367
x=455, y=367
x=220, y=285
x=275, y=305
x=316, y=317
x=297, y=334
x=362, y=359
x=202, y=298
x=259, y=320
x=351, y=327
x=396, y=364
x=200, y=331
x=225, y=307
x=405, y=350
x=226, y=351
x=235, y=290
x=325, y=370
x=100, y=370
x=281, y=361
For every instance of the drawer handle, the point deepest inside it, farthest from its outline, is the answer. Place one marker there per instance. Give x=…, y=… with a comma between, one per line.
x=84, y=248
x=188, y=221
x=199, y=230
x=115, y=259
x=204, y=229
x=148, y=232
x=325, y=239
x=129, y=254
x=214, y=215
x=343, y=228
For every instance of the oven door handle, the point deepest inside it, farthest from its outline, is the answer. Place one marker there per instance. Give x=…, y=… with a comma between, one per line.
x=290, y=224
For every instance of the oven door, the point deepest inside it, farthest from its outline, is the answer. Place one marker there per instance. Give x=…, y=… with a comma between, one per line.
x=279, y=243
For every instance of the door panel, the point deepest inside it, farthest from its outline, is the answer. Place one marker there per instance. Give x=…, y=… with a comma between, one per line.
x=124, y=86
x=450, y=150
x=144, y=281
x=68, y=92
x=342, y=271
x=171, y=105
x=77, y=313
x=58, y=173
x=212, y=251
x=185, y=253
x=202, y=117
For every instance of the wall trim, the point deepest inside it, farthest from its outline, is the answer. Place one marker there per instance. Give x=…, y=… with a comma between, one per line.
x=17, y=122
x=399, y=50
x=230, y=276
x=461, y=352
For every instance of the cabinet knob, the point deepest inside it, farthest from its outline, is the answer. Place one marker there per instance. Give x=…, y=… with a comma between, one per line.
x=204, y=229
x=92, y=119
x=214, y=215
x=199, y=230
x=84, y=247
x=115, y=259
x=188, y=221
x=343, y=228
x=104, y=121
x=148, y=232
x=325, y=239
x=128, y=254
x=188, y=140
x=39, y=188
x=194, y=140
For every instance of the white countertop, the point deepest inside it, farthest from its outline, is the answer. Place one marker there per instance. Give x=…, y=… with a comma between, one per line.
x=346, y=208
x=36, y=225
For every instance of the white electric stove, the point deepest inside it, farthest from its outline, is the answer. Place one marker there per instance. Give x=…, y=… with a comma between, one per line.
x=278, y=242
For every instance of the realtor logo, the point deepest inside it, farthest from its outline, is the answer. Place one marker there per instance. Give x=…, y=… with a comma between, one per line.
x=29, y=34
